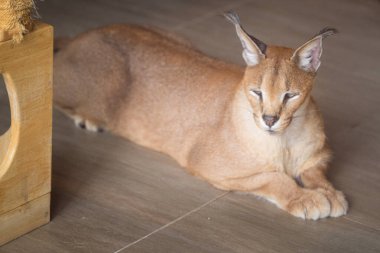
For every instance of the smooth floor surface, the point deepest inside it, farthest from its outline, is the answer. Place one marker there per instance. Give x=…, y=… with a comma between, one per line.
x=110, y=195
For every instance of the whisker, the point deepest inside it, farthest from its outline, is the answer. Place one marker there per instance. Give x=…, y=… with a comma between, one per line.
x=246, y=108
x=304, y=115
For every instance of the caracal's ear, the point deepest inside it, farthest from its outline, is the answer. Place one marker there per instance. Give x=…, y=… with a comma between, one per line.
x=308, y=56
x=253, y=49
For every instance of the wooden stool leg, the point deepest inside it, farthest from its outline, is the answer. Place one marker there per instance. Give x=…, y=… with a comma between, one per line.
x=25, y=149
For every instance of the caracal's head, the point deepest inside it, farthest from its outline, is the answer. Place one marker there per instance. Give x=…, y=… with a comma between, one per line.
x=278, y=80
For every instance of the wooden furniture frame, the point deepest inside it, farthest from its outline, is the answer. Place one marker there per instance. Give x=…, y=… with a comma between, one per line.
x=25, y=149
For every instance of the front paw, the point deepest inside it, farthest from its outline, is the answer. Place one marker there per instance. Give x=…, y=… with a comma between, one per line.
x=338, y=202
x=309, y=204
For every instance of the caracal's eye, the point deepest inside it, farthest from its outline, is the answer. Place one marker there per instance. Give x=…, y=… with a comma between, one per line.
x=256, y=93
x=290, y=96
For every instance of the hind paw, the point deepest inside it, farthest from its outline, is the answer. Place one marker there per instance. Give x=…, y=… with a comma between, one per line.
x=92, y=127
x=86, y=124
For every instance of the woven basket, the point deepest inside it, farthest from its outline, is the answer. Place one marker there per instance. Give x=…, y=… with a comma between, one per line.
x=16, y=18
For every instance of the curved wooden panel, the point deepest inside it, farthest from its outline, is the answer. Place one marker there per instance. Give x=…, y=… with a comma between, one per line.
x=9, y=140
x=25, y=150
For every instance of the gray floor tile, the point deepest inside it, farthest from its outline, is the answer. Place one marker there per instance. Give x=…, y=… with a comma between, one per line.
x=242, y=223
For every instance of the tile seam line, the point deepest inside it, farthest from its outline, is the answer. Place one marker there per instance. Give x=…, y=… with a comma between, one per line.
x=172, y=222
x=360, y=223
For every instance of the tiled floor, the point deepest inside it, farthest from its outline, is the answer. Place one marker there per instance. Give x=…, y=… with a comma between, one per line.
x=110, y=195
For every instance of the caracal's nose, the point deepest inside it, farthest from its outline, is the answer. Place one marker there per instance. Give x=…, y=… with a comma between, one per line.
x=270, y=120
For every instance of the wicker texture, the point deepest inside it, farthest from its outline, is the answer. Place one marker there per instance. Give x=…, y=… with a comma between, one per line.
x=16, y=18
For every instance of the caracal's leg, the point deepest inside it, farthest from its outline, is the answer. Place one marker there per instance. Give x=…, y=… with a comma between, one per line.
x=282, y=190
x=315, y=179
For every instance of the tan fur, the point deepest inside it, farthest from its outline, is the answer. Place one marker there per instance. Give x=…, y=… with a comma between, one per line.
x=159, y=92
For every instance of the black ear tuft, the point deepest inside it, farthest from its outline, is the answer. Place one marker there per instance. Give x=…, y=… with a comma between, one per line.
x=234, y=19
x=327, y=31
